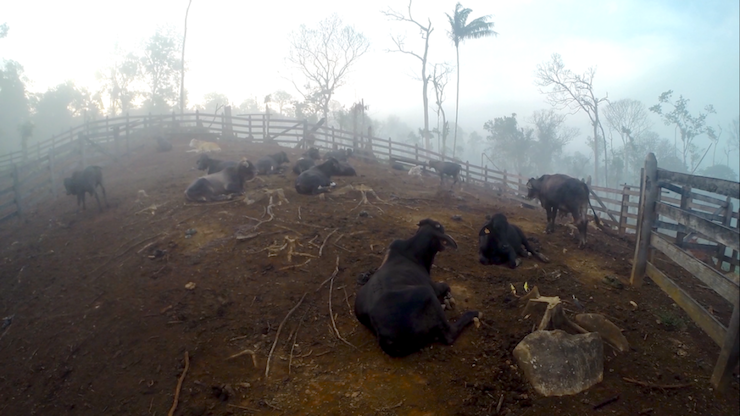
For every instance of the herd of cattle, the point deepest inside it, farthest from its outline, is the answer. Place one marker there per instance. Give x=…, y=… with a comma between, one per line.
x=399, y=302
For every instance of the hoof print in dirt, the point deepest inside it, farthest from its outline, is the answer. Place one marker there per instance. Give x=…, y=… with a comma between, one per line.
x=363, y=214
x=223, y=392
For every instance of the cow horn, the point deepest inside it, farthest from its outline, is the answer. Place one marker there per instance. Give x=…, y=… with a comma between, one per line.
x=448, y=241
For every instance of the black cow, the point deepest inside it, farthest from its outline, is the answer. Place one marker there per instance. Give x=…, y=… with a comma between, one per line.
x=303, y=164
x=500, y=242
x=221, y=185
x=446, y=168
x=86, y=181
x=341, y=155
x=561, y=192
x=401, y=304
x=163, y=145
x=317, y=179
x=345, y=169
x=268, y=164
x=312, y=153
x=212, y=165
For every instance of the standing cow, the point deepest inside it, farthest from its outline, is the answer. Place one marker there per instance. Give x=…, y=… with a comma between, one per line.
x=86, y=181
x=561, y=192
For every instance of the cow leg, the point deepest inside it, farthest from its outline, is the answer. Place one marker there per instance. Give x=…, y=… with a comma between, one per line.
x=440, y=290
x=81, y=196
x=95, y=194
x=105, y=197
x=552, y=212
x=451, y=331
x=514, y=261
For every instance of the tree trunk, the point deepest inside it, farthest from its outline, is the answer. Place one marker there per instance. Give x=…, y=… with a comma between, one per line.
x=457, y=100
x=182, y=62
x=596, y=154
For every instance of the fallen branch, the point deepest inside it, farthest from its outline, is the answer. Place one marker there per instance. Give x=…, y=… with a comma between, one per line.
x=605, y=402
x=331, y=313
x=249, y=409
x=125, y=252
x=336, y=271
x=179, y=385
x=277, y=336
x=387, y=408
x=295, y=339
x=299, y=213
x=321, y=249
x=655, y=386
x=250, y=352
x=295, y=266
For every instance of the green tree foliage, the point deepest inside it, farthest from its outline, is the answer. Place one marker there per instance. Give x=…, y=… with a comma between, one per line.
x=283, y=101
x=460, y=30
x=689, y=126
x=14, y=105
x=213, y=101
x=720, y=172
x=161, y=68
x=510, y=144
x=575, y=164
x=552, y=135
x=62, y=107
x=324, y=55
x=118, y=82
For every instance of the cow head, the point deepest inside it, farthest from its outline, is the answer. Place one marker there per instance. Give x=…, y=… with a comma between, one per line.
x=330, y=167
x=69, y=186
x=246, y=170
x=440, y=240
x=533, y=187
x=281, y=157
x=348, y=151
x=492, y=239
x=203, y=162
x=313, y=153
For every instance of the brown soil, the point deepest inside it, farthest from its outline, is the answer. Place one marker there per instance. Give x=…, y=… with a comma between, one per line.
x=99, y=327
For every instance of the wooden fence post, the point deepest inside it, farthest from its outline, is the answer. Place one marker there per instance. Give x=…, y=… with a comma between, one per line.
x=646, y=218
x=333, y=139
x=728, y=356
x=685, y=201
x=304, y=144
x=38, y=150
x=17, y=190
x=624, y=210
x=83, y=151
x=128, y=146
x=416, y=151
x=506, y=183
x=467, y=171
x=485, y=177
x=198, y=123
x=52, y=174
x=726, y=222
x=390, y=149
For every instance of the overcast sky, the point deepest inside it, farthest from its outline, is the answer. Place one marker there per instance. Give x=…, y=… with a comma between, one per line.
x=640, y=48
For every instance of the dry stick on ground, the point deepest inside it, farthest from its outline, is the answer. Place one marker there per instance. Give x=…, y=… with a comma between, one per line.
x=209, y=203
x=250, y=352
x=179, y=385
x=267, y=366
x=336, y=271
x=249, y=409
x=125, y=251
x=295, y=266
x=299, y=213
x=321, y=249
x=655, y=386
x=331, y=313
x=269, y=211
x=295, y=338
x=346, y=299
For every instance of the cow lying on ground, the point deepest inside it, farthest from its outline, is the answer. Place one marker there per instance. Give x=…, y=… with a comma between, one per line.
x=341, y=155
x=345, y=169
x=401, y=304
x=212, y=165
x=200, y=146
x=221, y=185
x=303, y=164
x=269, y=164
x=312, y=153
x=317, y=179
x=446, y=168
x=86, y=181
x=500, y=242
x=561, y=192
x=163, y=145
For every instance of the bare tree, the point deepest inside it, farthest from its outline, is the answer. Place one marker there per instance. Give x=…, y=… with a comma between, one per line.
x=324, y=56
x=628, y=119
x=575, y=92
x=440, y=77
x=182, y=62
x=733, y=139
x=425, y=32
x=688, y=125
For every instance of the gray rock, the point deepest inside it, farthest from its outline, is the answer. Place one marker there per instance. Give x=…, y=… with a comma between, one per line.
x=557, y=363
x=612, y=335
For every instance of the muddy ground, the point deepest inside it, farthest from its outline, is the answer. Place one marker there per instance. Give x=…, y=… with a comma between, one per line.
x=101, y=327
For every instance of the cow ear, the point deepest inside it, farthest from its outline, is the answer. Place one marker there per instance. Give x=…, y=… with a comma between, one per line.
x=487, y=231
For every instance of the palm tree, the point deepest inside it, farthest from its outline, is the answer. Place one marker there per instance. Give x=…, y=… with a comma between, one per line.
x=459, y=31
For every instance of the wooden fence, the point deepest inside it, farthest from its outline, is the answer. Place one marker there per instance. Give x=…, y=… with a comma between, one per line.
x=712, y=227
x=27, y=179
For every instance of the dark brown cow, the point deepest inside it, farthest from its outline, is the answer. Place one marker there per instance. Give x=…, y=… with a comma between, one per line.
x=221, y=185
x=561, y=192
x=450, y=169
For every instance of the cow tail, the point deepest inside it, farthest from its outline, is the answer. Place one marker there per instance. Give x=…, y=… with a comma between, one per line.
x=588, y=198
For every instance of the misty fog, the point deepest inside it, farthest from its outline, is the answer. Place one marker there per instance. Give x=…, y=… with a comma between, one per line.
x=537, y=83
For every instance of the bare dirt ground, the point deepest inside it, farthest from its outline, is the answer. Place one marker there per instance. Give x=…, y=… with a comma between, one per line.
x=99, y=327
